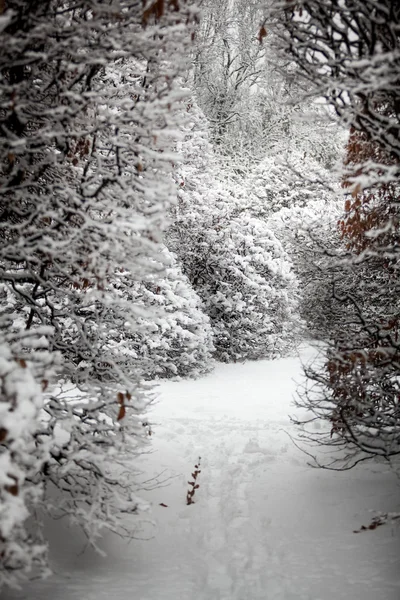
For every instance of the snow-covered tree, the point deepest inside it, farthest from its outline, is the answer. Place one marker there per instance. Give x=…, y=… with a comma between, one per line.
x=291, y=181
x=175, y=338
x=87, y=126
x=248, y=289
x=227, y=65
x=234, y=262
x=349, y=53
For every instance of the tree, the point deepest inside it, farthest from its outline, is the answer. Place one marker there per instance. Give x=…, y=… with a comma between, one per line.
x=175, y=338
x=87, y=130
x=234, y=262
x=228, y=62
x=291, y=181
x=349, y=53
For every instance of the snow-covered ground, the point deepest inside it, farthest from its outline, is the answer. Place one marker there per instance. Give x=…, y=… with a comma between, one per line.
x=264, y=524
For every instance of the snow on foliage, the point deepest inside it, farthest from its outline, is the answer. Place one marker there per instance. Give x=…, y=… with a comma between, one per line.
x=248, y=290
x=175, y=339
x=234, y=262
x=294, y=181
x=349, y=54
x=227, y=67
x=250, y=95
x=22, y=459
x=88, y=127
x=311, y=238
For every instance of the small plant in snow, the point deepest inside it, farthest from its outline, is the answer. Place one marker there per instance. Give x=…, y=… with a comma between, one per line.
x=378, y=520
x=193, y=485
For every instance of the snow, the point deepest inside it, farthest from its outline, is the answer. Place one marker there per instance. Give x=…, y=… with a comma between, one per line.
x=264, y=524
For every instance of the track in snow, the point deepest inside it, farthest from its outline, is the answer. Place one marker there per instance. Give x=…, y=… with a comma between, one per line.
x=264, y=526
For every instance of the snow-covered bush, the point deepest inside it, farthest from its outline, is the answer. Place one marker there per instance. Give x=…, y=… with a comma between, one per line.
x=175, y=338
x=311, y=238
x=234, y=262
x=25, y=366
x=88, y=125
x=248, y=289
x=294, y=180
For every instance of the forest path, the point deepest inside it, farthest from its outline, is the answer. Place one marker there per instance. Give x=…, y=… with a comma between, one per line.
x=264, y=525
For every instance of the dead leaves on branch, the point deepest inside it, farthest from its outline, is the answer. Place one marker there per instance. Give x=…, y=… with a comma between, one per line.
x=157, y=9
x=262, y=33
x=372, y=208
x=378, y=521
x=193, y=484
x=13, y=488
x=122, y=399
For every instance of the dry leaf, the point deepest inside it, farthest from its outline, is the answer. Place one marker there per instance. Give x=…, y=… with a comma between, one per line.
x=121, y=413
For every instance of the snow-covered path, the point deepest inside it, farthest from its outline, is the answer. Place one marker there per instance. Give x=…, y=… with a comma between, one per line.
x=264, y=525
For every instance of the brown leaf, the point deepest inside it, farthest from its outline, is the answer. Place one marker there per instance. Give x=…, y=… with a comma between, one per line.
x=3, y=434
x=262, y=34
x=121, y=413
x=156, y=10
x=164, y=505
x=12, y=489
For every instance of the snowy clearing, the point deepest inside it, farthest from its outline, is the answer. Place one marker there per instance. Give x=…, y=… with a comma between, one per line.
x=264, y=524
